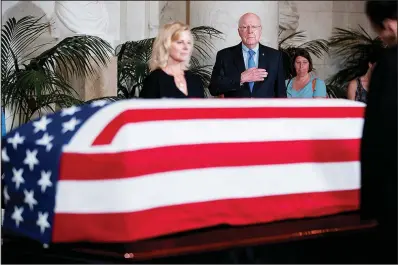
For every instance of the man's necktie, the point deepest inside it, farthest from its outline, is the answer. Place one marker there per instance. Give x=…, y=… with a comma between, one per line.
x=251, y=64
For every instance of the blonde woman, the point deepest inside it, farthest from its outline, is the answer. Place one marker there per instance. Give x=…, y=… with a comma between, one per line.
x=169, y=75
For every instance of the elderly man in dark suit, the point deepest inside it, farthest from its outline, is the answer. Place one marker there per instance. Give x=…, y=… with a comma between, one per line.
x=249, y=69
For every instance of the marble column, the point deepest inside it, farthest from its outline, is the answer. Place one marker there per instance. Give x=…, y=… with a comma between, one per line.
x=224, y=16
x=102, y=83
x=141, y=19
x=172, y=11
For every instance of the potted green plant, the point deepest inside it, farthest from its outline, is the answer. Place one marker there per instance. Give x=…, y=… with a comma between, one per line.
x=352, y=49
x=31, y=83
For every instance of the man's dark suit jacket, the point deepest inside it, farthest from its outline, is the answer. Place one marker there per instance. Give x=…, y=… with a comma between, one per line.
x=379, y=153
x=225, y=79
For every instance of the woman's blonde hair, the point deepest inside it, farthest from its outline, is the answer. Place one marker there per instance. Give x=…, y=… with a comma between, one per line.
x=160, y=50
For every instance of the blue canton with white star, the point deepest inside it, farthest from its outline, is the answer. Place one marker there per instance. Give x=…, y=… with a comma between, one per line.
x=30, y=159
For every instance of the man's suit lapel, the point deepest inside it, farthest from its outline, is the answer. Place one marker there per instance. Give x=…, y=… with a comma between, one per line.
x=239, y=61
x=238, y=58
x=263, y=63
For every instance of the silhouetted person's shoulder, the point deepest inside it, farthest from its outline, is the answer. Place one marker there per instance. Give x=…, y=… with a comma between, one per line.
x=389, y=59
x=379, y=144
x=383, y=84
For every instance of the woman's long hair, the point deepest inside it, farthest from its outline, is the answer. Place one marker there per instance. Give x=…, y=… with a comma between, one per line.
x=160, y=51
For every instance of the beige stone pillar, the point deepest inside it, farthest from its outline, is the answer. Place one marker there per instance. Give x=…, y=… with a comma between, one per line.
x=224, y=16
x=103, y=83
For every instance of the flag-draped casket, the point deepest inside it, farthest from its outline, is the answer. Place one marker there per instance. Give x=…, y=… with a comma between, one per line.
x=139, y=169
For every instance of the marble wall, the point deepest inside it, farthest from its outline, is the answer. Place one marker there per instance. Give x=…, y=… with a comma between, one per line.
x=319, y=19
x=172, y=11
x=224, y=16
x=19, y=9
x=139, y=20
x=316, y=18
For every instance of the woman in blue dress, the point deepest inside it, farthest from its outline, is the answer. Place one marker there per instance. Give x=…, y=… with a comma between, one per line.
x=304, y=84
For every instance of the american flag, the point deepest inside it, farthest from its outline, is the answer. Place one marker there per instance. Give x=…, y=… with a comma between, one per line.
x=138, y=169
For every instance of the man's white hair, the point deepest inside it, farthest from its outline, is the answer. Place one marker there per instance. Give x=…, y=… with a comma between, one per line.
x=247, y=14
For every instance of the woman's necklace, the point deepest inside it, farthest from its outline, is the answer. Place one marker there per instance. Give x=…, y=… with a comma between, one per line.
x=180, y=82
x=179, y=79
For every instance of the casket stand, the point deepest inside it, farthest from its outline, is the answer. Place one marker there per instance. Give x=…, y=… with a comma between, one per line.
x=325, y=239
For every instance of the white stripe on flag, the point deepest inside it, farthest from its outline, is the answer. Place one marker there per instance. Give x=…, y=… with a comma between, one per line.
x=199, y=185
x=168, y=133
x=93, y=126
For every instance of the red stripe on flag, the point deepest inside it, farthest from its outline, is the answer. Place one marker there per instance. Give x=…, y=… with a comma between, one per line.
x=75, y=166
x=124, y=227
x=144, y=115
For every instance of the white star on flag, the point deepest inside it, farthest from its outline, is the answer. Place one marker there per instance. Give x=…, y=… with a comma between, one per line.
x=4, y=155
x=99, y=103
x=42, y=221
x=29, y=199
x=70, y=125
x=46, y=141
x=17, y=215
x=16, y=140
x=31, y=159
x=45, y=181
x=41, y=125
x=70, y=111
x=6, y=195
x=17, y=177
